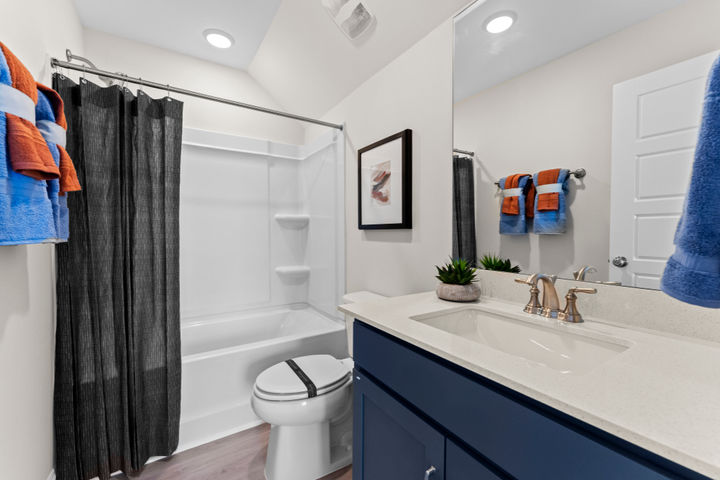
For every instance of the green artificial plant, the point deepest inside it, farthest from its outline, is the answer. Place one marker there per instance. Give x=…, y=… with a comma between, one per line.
x=457, y=272
x=492, y=262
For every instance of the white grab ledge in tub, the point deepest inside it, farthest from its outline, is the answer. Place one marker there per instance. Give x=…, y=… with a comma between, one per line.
x=293, y=270
x=293, y=220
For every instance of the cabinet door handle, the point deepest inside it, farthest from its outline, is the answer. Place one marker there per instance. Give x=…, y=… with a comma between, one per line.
x=429, y=472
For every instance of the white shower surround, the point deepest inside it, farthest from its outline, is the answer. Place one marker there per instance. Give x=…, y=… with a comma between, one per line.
x=255, y=289
x=230, y=243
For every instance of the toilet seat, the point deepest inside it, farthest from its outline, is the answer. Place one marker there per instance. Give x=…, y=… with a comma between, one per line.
x=281, y=383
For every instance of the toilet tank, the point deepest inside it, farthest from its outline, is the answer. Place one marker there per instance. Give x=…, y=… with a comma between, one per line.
x=357, y=297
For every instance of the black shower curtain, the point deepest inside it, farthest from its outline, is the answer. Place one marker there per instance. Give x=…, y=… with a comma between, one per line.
x=117, y=359
x=463, y=224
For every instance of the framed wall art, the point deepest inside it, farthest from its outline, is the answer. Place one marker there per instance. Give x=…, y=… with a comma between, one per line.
x=385, y=183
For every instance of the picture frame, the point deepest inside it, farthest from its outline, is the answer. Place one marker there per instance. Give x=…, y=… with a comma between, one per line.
x=385, y=183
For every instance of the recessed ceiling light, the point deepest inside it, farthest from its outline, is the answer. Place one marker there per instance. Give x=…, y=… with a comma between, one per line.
x=500, y=22
x=218, y=38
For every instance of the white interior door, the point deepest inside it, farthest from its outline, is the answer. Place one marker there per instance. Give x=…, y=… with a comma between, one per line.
x=655, y=127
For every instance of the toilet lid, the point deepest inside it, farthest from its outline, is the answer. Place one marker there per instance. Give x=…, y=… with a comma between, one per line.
x=302, y=377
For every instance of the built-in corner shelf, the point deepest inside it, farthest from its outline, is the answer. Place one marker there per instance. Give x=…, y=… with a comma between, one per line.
x=293, y=271
x=292, y=220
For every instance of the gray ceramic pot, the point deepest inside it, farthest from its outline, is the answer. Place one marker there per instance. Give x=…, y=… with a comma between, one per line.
x=458, y=293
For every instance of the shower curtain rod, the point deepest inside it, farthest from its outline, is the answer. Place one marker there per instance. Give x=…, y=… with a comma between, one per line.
x=54, y=62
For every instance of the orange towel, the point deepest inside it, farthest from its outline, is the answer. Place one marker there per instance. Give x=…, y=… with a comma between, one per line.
x=27, y=150
x=68, y=177
x=548, y=201
x=511, y=205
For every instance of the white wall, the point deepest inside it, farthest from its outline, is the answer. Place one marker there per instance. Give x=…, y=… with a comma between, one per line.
x=413, y=91
x=136, y=59
x=559, y=115
x=34, y=30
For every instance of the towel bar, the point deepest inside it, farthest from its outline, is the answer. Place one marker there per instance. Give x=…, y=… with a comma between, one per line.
x=579, y=173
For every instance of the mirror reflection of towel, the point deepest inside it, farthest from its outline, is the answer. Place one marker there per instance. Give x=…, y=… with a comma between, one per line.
x=511, y=205
x=551, y=204
x=548, y=201
x=517, y=204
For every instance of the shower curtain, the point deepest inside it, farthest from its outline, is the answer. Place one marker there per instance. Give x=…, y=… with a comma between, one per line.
x=463, y=224
x=117, y=359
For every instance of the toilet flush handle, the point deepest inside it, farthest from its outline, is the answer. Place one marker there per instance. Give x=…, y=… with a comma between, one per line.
x=429, y=472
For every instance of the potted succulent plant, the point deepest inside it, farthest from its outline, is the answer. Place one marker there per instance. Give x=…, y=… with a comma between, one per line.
x=498, y=264
x=457, y=282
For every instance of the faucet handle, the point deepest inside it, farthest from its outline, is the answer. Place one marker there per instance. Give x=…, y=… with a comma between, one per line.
x=581, y=290
x=571, y=313
x=533, y=306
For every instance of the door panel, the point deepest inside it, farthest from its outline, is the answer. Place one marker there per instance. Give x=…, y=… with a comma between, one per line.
x=655, y=127
x=390, y=442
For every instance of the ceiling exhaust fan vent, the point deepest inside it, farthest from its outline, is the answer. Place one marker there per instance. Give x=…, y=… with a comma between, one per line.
x=351, y=16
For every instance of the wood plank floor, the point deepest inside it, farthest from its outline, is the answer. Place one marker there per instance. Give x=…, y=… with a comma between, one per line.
x=237, y=457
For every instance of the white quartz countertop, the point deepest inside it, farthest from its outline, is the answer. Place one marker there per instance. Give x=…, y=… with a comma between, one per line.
x=662, y=393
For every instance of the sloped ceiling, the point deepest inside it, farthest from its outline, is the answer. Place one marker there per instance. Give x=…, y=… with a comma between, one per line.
x=291, y=47
x=178, y=25
x=309, y=65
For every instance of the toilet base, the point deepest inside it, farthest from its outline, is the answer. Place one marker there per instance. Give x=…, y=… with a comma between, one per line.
x=301, y=452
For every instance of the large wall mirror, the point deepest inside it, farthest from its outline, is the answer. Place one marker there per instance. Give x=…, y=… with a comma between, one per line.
x=609, y=88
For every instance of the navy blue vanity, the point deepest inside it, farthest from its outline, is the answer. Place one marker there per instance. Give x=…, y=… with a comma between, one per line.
x=418, y=416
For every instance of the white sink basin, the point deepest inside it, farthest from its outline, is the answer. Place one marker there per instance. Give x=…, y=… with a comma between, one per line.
x=542, y=342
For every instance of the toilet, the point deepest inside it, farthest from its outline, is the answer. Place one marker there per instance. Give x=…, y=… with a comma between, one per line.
x=308, y=403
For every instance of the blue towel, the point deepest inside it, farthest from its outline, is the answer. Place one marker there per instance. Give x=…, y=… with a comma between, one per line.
x=552, y=222
x=515, y=224
x=44, y=113
x=25, y=209
x=692, y=273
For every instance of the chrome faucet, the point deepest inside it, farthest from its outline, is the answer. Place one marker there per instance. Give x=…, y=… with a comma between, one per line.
x=550, y=303
x=585, y=269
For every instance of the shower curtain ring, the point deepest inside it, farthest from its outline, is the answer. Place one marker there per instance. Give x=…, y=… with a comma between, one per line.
x=83, y=73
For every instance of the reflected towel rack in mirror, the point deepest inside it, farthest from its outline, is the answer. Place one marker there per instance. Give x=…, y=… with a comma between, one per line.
x=579, y=173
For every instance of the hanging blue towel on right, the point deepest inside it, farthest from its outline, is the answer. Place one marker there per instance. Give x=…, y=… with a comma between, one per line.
x=551, y=203
x=692, y=273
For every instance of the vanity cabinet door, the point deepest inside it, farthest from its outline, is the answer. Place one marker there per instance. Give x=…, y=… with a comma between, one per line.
x=390, y=442
x=460, y=465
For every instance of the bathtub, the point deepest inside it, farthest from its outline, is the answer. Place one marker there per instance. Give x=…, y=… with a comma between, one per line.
x=222, y=356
